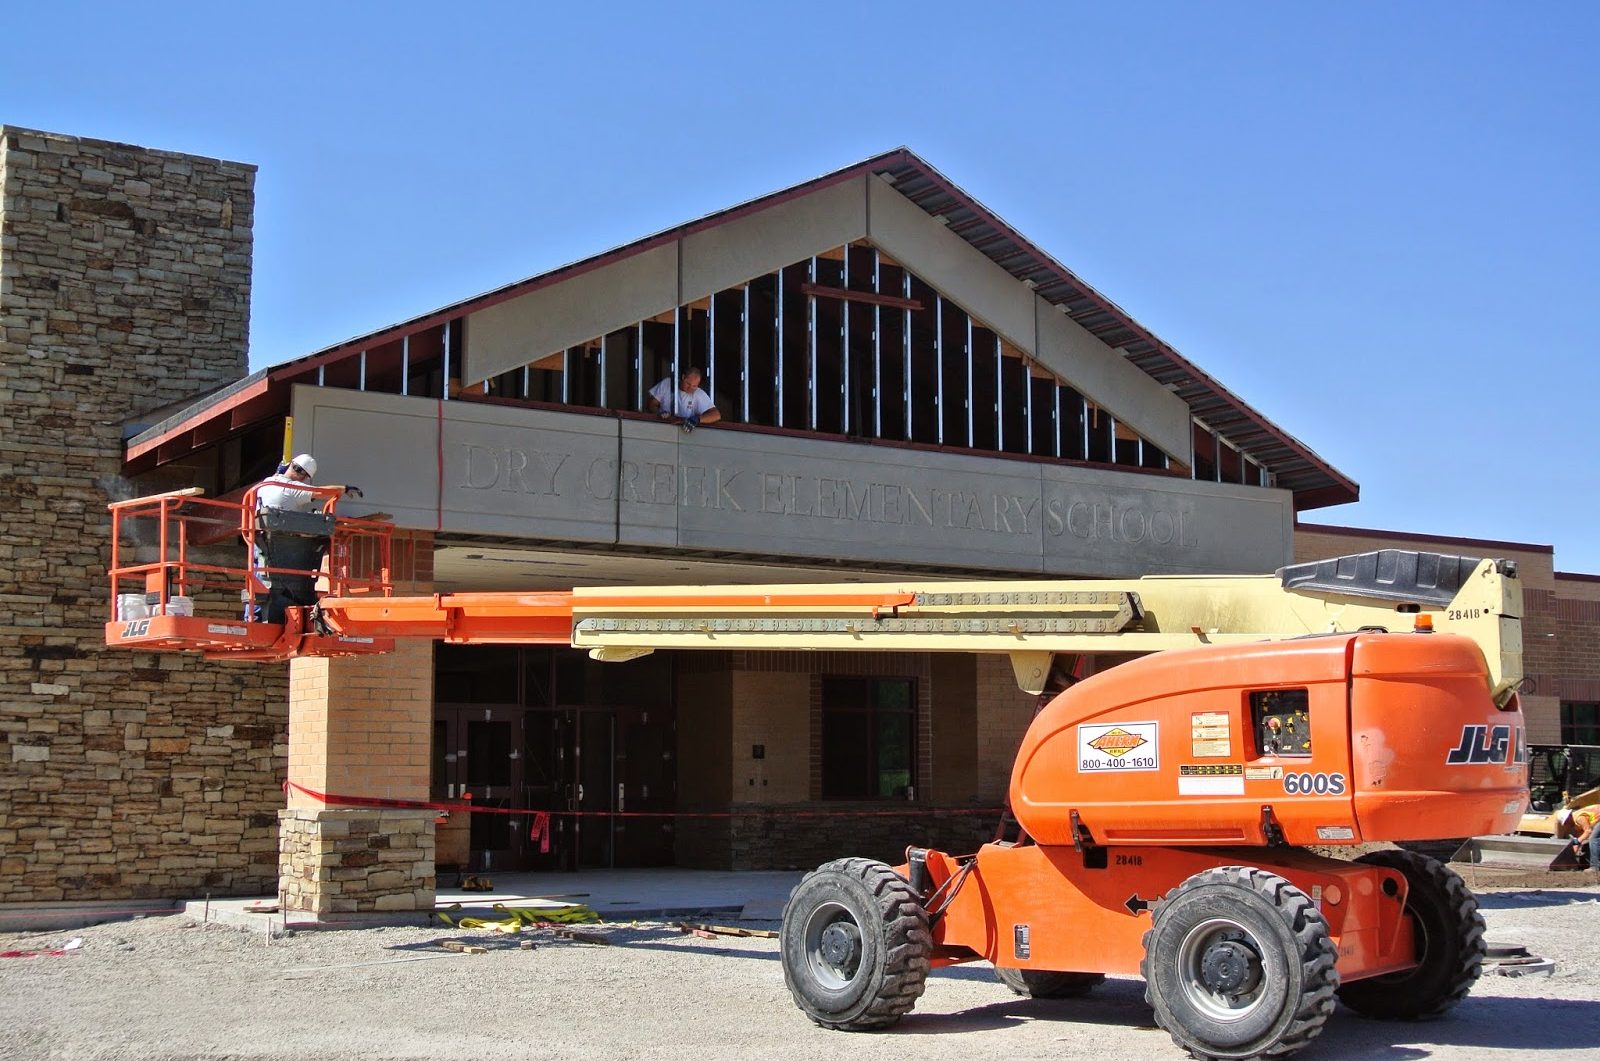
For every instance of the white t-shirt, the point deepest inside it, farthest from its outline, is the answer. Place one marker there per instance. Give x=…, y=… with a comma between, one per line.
x=285, y=494
x=684, y=404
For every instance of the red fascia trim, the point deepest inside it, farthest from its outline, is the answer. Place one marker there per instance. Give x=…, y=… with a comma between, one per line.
x=1324, y=497
x=1411, y=536
x=227, y=405
x=1574, y=576
x=1116, y=311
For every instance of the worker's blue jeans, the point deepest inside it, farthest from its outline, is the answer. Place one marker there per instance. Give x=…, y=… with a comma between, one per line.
x=1594, y=849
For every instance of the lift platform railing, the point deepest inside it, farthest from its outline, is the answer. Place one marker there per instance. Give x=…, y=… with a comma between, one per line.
x=360, y=552
x=173, y=587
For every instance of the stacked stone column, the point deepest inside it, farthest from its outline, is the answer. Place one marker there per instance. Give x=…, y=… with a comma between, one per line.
x=124, y=293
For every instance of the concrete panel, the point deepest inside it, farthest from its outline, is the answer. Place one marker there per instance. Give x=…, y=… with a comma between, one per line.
x=951, y=264
x=506, y=472
x=809, y=497
x=780, y=235
x=513, y=333
x=596, y=479
x=1117, y=523
x=1109, y=379
x=383, y=443
x=647, y=476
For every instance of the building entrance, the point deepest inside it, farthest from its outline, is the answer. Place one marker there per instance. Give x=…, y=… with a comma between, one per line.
x=548, y=729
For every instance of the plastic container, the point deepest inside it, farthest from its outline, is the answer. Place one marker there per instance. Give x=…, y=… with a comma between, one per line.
x=132, y=606
x=177, y=606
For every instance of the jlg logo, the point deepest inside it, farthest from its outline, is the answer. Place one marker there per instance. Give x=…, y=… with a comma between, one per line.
x=1481, y=744
x=137, y=628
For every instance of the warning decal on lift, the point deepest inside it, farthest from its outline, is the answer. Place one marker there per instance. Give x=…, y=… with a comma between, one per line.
x=1212, y=779
x=1121, y=746
x=1210, y=733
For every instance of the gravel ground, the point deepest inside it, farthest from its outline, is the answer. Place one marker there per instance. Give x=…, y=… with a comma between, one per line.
x=166, y=987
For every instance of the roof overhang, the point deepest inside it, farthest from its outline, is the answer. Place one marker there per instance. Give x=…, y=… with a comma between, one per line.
x=1314, y=482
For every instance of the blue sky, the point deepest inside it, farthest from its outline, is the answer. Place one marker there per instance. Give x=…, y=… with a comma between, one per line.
x=1376, y=223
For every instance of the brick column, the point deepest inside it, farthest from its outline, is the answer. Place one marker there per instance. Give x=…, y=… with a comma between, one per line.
x=359, y=727
x=362, y=726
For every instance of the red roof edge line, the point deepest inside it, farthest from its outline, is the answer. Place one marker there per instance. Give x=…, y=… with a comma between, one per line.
x=1117, y=311
x=584, y=265
x=233, y=401
x=1412, y=536
x=1575, y=576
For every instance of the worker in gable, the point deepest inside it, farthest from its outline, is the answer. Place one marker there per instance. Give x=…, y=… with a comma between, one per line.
x=686, y=404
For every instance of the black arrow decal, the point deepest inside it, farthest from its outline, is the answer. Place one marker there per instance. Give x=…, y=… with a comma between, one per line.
x=1136, y=905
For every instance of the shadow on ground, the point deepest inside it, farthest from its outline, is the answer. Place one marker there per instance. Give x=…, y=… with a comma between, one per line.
x=1517, y=1026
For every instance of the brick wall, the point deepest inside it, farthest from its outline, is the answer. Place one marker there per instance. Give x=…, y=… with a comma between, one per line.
x=124, y=287
x=773, y=710
x=1004, y=712
x=1576, y=607
x=775, y=700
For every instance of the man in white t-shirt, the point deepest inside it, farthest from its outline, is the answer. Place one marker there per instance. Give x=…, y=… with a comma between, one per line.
x=686, y=404
x=282, y=491
x=279, y=491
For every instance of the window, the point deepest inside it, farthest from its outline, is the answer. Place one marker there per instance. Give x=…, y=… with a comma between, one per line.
x=868, y=738
x=1282, y=721
x=1580, y=723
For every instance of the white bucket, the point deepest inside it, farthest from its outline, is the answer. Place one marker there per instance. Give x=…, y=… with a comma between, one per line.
x=132, y=606
x=179, y=606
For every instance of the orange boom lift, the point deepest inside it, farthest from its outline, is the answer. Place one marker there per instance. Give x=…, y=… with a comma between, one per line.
x=1161, y=812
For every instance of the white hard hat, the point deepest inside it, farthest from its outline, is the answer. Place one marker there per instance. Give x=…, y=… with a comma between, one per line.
x=1564, y=815
x=306, y=463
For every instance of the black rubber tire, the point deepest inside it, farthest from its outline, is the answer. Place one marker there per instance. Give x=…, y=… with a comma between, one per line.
x=1251, y=912
x=1044, y=983
x=1450, y=944
x=871, y=910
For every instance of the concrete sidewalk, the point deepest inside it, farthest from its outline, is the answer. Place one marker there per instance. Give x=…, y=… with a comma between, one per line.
x=615, y=894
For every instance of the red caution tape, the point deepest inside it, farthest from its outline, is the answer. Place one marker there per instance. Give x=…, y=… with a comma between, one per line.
x=523, y=812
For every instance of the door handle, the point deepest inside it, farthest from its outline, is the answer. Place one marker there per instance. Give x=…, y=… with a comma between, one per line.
x=622, y=796
x=580, y=792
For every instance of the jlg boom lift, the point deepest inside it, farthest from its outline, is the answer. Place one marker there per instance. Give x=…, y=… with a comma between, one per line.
x=1164, y=809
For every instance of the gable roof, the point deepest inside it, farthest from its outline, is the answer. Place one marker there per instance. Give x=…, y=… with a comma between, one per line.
x=1314, y=482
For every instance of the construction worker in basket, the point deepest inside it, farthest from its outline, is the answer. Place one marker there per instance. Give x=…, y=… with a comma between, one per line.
x=285, y=491
x=280, y=491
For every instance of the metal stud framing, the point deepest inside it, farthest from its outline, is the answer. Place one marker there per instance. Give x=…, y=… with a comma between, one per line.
x=811, y=350
x=905, y=285
x=744, y=355
x=938, y=365
x=777, y=319
x=444, y=384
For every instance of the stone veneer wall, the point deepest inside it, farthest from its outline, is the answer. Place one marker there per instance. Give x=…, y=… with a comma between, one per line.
x=347, y=861
x=124, y=287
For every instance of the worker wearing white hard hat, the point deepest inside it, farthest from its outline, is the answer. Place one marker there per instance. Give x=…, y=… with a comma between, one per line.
x=279, y=490
x=283, y=491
